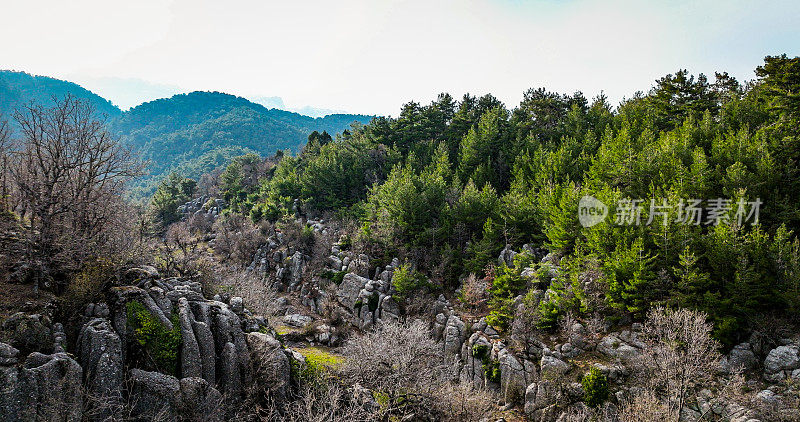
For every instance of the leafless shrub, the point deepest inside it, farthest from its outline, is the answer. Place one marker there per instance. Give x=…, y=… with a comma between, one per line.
x=320, y=402
x=181, y=251
x=334, y=313
x=461, y=402
x=257, y=296
x=594, y=324
x=473, y=293
x=403, y=364
x=297, y=235
x=647, y=407
x=200, y=223
x=679, y=360
x=237, y=239
x=565, y=324
x=393, y=358
x=604, y=413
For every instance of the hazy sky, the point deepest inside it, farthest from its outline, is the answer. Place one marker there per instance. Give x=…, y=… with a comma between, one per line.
x=371, y=56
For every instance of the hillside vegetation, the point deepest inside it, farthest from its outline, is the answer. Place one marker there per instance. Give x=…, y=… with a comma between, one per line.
x=448, y=185
x=188, y=133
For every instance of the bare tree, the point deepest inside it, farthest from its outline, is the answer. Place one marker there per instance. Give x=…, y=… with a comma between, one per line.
x=5, y=143
x=69, y=174
x=405, y=365
x=679, y=360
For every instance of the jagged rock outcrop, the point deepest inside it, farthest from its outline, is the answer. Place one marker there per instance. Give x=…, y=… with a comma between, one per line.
x=44, y=388
x=455, y=332
x=30, y=333
x=270, y=368
x=540, y=400
x=100, y=352
x=164, y=397
x=781, y=362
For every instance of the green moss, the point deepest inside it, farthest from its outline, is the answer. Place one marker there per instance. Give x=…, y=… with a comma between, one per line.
x=159, y=343
x=321, y=357
x=317, y=365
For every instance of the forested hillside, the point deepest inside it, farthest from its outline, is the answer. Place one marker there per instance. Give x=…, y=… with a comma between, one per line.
x=18, y=89
x=448, y=185
x=188, y=133
x=564, y=259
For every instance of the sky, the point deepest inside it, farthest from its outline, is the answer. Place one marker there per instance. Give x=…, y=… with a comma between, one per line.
x=372, y=56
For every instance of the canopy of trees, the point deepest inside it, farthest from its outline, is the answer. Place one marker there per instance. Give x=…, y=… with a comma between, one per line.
x=453, y=182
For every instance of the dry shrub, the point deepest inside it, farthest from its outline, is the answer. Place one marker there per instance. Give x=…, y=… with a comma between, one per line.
x=335, y=314
x=473, y=293
x=405, y=368
x=646, y=407
x=237, y=239
x=257, y=296
x=678, y=361
x=461, y=402
x=324, y=401
x=399, y=357
x=179, y=250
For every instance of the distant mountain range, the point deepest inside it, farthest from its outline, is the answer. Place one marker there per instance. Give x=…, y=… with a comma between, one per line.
x=189, y=133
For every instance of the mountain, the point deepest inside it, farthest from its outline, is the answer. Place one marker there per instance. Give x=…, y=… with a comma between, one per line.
x=190, y=133
x=18, y=89
x=199, y=131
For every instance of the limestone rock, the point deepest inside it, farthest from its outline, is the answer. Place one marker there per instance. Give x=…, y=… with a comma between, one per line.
x=553, y=367
x=780, y=362
x=454, y=335
x=270, y=367
x=349, y=289
x=45, y=388
x=100, y=351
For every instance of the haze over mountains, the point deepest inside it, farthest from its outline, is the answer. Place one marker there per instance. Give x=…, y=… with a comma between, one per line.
x=190, y=133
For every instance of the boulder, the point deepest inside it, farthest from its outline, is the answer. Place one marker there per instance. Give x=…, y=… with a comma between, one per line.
x=539, y=395
x=454, y=335
x=45, y=388
x=270, y=367
x=208, y=356
x=297, y=320
x=30, y=333
x=349, y=289
x=100, y=351
x=155, y=395
x=780, y=362
x=237, y=304
x=741, y=357
x=515, y=375
x=552, y=367
x=190, y=361
x=614, y=347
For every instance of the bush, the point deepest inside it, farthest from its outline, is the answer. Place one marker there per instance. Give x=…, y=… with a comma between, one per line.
x=87, y=286
x=159, y=343
x=595, y=387
x=406, y=280
x=491, y=367
x=506, y=284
